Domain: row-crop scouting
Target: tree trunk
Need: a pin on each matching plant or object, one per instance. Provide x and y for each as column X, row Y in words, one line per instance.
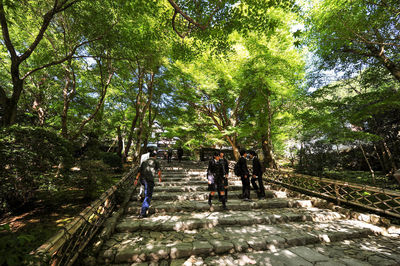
column 64, row 114
column 269, row 160
column 380, row 159
column 369, row 165
column 120, row 141
column 142, row 113
column 10, row 104
column 130, row 136
column 266, row 139
column 391, row 66
column 236, row 152
column 392, row 164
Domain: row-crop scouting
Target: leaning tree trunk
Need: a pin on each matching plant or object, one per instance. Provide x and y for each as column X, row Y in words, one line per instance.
column 389, row 161
column 379, row 159
column 369, row 165
column 120, row 141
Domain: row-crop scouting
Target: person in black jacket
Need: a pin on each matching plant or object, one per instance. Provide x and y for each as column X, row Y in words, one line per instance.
column 169, row 154
column 257, row 175
column 225, row 164
column 215, row 176
column 244, row 175
column 180, row 154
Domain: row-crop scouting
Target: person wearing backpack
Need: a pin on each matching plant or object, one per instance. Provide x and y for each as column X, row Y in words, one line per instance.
column 243, row 172
column 215, row 176
column 147, row 172
column 257, row 175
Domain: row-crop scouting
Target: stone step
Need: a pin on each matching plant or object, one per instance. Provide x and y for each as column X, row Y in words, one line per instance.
column 169, row 183
column 233, row 204
column 190, row 188
column 154, row 246
column 202, row 195
column 192, row 182
column 181, row 222
column 366, row 251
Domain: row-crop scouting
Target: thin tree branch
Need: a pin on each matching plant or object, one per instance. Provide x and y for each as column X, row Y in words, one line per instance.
column 99, row 104
column 189, row 19
column 62, row 60
column 173, row 25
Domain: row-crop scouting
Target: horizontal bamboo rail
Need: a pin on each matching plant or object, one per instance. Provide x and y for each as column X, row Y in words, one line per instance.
column 372, row 198
column 65, row 246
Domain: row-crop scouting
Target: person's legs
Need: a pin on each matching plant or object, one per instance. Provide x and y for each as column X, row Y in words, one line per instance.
column 246, row 188
column 226, row 189
column 140, row 195
column 262, row 189
column 148, row 193
column 211, row 188
column 221, row 190
column 255, row 187
column 253, row 182
column 243, row 187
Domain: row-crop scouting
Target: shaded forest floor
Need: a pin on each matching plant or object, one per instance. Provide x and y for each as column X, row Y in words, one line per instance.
column 27, row 228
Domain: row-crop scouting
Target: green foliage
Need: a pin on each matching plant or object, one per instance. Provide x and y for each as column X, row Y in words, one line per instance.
column 112, row 159
column 12, row 250
column 27, row 153
column 95, row 180
column 350, row 35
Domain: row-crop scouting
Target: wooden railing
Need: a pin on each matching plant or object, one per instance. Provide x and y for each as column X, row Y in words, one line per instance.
column 372, row 198
column 65, row 247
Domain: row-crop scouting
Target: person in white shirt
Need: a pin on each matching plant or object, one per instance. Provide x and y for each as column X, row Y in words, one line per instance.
column 143, row 158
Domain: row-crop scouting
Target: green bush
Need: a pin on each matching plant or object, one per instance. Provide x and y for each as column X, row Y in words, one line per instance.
column 26, row 155
column 112, row 159
column 12, row 250
column 95, row 178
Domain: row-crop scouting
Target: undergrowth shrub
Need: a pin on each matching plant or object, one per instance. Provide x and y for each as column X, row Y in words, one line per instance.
column 95, row 178
column 26, row 155
column 113, row 160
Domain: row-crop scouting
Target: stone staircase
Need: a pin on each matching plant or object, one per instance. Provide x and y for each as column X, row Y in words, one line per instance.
column 183, row 230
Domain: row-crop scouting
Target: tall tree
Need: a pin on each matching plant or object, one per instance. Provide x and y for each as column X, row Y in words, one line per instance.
column 354, row 34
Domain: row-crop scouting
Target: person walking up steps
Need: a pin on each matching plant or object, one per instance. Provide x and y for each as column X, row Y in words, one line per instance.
column 244, row 175
column 225, row 164
column 147, row 171
column 215, row 176
column 257, row 175
column 143, row 158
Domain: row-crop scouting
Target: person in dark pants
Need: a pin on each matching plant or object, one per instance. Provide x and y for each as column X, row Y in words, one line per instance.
column 180, row 153
column 225, row 164
column 215, row 176
column 244, row 175
column 169, row 155
column 257, row 175
column 147, row 172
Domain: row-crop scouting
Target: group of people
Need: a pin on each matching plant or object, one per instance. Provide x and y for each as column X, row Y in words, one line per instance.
column 217, row 176
column 218, row 172
column 179, row 152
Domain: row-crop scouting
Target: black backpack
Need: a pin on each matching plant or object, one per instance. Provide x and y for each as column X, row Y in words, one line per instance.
column 236, row 169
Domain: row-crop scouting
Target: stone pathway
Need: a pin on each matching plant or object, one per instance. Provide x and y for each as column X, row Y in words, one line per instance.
column 183, row 230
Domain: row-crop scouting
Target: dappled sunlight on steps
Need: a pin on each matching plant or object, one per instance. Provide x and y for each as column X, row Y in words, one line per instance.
column 278, row 230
